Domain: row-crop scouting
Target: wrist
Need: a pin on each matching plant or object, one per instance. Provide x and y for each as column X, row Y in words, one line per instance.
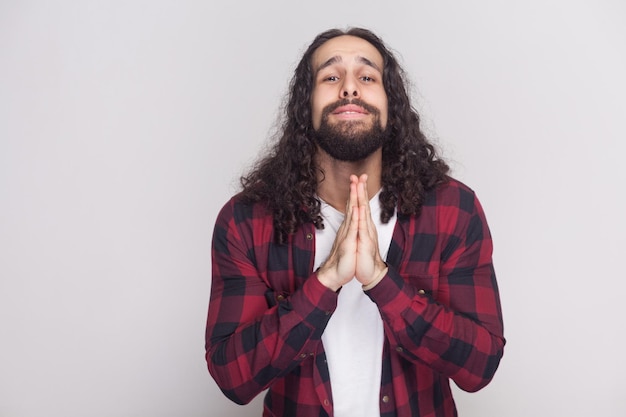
column 377, row 278
column 322, row 277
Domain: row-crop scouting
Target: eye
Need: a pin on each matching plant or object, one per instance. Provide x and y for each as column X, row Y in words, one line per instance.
column 331, row 78
column 367, row 79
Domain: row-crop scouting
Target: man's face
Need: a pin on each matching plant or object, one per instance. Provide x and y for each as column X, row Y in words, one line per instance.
column 349, row 103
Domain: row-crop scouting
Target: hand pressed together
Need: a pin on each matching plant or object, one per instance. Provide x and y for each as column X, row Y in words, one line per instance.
column 355, row 251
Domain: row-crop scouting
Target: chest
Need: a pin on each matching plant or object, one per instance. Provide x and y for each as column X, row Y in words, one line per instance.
column 413, row 252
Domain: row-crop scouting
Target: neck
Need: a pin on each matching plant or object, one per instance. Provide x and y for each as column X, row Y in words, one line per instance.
column 333, row 183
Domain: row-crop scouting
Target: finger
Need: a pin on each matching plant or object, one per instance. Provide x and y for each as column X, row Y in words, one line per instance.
column 348, row 241
column 363, row 199
column 351, row 202
column 364, row 202
column 366, row 224
column 366, row 198
column 364, row 229
column 354, row 223
column 347, row 233
column 362, row 180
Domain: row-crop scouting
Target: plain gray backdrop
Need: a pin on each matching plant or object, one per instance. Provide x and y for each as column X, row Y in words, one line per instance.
column 124, row 126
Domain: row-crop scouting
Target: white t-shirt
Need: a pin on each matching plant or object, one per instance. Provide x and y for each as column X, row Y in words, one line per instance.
column 353, row 338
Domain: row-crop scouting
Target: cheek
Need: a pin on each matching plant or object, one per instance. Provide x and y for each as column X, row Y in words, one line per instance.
column 384, row 118
column 316, row 119
column 316, row 113
column 384, row 113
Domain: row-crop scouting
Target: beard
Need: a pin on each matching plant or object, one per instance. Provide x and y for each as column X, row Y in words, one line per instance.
column 350, row 140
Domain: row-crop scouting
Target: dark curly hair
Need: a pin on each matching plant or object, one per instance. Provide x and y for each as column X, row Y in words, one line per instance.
column 285, row 179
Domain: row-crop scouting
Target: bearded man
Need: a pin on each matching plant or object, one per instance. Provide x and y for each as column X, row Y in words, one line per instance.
column 352, row 276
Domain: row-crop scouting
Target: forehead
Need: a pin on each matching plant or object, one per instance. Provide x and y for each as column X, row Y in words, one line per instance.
column 345, row 49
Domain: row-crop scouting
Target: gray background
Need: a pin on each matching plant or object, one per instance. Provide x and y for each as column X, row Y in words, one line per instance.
column 124, row 126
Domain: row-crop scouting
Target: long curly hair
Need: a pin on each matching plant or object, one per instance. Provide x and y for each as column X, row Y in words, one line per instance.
column 286, row 178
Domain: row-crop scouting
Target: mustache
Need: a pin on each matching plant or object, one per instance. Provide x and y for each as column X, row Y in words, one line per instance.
column 344, row 102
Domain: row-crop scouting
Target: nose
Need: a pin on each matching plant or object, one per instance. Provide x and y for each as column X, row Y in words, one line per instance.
column 349, row 89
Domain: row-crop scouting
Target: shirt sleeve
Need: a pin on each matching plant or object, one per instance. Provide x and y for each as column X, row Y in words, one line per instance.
column 250, row 342
column 460, row 333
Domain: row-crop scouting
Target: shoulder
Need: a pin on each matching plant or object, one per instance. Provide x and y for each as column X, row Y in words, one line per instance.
column 452, row 193
column 240, row 210
column 248, row 223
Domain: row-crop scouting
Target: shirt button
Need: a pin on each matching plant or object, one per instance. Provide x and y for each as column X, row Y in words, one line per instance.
column 421, row 292
column 326, row 402
column 385, row 399
column 303, row 355
column 280, row 297
column 399, row 349
column 309, row 236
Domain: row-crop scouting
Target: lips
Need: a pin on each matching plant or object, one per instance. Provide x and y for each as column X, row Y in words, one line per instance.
column 346, row 109
column 350, row 109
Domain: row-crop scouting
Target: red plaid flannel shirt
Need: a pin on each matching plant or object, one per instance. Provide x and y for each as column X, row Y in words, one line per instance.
column 439, row 304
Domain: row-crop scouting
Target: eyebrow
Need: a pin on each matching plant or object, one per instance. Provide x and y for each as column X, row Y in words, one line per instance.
column 366, row 61
column 336, row 59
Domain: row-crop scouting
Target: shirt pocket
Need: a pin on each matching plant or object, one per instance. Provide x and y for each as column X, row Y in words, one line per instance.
column 425, row 284
column 273, row 297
